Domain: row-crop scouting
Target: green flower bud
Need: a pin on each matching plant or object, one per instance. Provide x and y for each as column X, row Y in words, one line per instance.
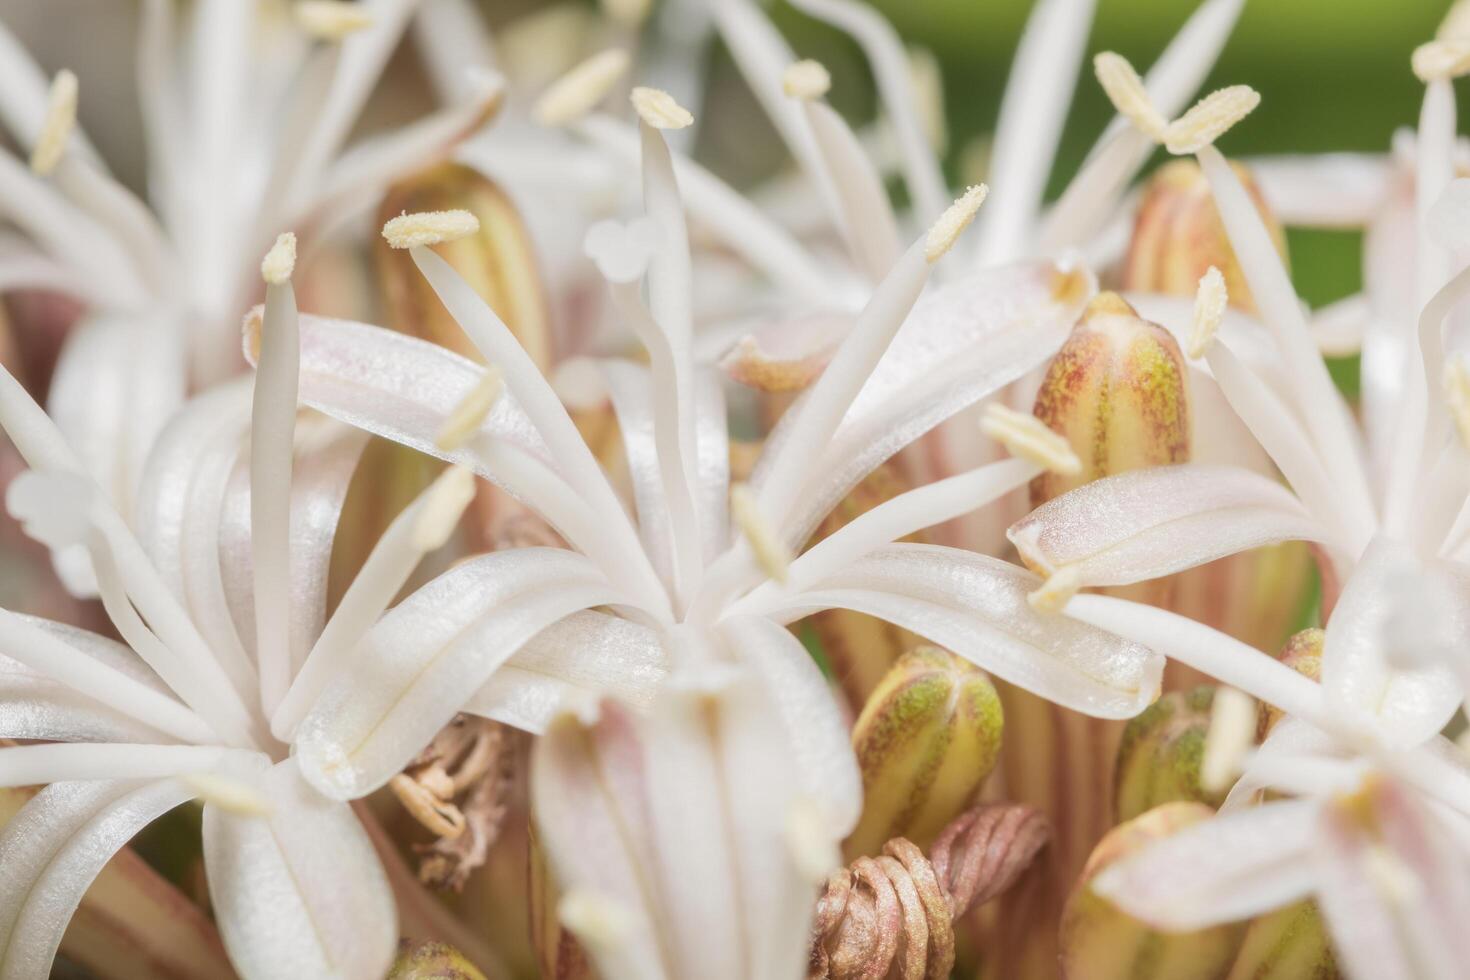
column 1287, row 944
column 1303, row 654
column 1159, row 758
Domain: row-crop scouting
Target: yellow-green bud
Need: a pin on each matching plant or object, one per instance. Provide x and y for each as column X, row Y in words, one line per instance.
column 926, row 739
column 1303, row 654
column 1287, row 944
column 1159, row 758
column 431, row 961
column 1100, row 942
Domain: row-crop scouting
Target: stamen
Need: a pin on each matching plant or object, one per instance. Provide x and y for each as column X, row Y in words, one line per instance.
column 1210, row 118
column 658, row 109
column 230, row 795
column 429, row 228
column 471, row 411
column 61, row 117
column 1026, row 436
column 807, row 80
column 595, row 919
column 280, row 261
column 1058, row 589
column 1209, row 309
column 953, row 222
column 1231, row 734
column 1437, row 61
column 1127, row 93
column 810, row 842
column 770, row 551
column 1457, row 394
column 444, row 505
column 331, row 20
column 576, row 93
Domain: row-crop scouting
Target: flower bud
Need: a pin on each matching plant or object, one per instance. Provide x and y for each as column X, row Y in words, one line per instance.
column 1159, row 758
column 1287, row 943
column 1178, row 235
column 926, row 739
column 1303, row 654
column 1117, row 391
column 558, row 954
column 1100, row 942
column 431, row 961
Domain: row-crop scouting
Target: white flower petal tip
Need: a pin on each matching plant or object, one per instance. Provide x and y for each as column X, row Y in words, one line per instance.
column 953, row 222
column 807, row 80
column 770, row 552
column 578, row 91
column 1457, row 393
column 621, row 250
column 471, row 411
column 809, row 839
column 231, row 795
column 1441, row 60
column 1027, row 437
column 1231, row 734
column 1126, row 91
column 1210, row 302
column 61, row 118
column 1210, row 118
column 627, row 12
column 658, row 109
column 1448, row 221
column 429, row 228
column 280, row 261
column 580, row 383
column 52, row 508
column 331, row 20
column 443, row 507
column 598, row 920
column 1058, row 589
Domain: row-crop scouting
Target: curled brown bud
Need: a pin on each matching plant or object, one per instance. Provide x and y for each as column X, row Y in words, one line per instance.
column 894, row 915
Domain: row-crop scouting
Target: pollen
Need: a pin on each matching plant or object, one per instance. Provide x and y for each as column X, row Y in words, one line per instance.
column 471, row 412
column 1126, row 91
column 1209, row 309
column 576, row 93
column 1058, row 589
column 61, row 118
column 596, row 919
column 953, row 222
column 806, row 80
column 1441, row 60
column 771, row 553
column 1231, row 734
column 658, row 109
column 331, row 20
column 444, row 504
column 810, row 842
column 1210, row 118
column 1457, row 395
column 429, row 228
column 230, row 795
column 280, row 261
column 1026, row 436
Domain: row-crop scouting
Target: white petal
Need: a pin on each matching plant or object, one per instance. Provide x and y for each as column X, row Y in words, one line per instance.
column 300, row 892
column 1324, row 190
column 33, row 765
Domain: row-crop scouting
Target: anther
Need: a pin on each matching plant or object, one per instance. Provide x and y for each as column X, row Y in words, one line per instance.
column 658, row 109
column 1210, row 302
column 280, row 261
column 471, row 411
column 230, row 795
column 1231, row 734
column 807, row 80
column 952, row 223
column 770, row 552
column 444, row 504
column 61, row 118
column 1026, row 436
column 429, row 228
column 331, row 20
column 576, row 93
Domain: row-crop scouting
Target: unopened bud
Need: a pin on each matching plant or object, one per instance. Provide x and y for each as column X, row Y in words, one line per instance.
column 927, row 738
column 1303, row 654
column 1101, row 942
column 1285, row 944
column 1116, row 391
column 431, row 961
column 1159, row 758
column 558, row 953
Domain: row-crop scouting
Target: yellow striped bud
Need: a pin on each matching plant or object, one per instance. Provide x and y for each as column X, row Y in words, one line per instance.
column 1159, row 758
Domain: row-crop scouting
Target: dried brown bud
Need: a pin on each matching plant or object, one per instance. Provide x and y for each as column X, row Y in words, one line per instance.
column 1159, row 758
column 1303, row 654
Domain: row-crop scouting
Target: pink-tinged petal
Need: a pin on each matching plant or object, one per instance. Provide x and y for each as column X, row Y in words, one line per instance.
column 1147, row 523
column 786, row 354
column 52, row 850
column 976, row 607
column 809, row 716
column 299, row 892
column 1276, row 763
column 1325, row 190
column 1232, row 867
column 571, row 663
column 961, row 343
column 1392, row 887
column 1389, row 594
column 429, row 655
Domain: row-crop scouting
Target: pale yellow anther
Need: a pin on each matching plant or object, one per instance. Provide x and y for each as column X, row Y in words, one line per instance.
column 1210, row 118
column 1058, row 589
column 1228, row 740
column 596, row 919
column 1210, row 302
column 280, row 261
column 61, row 118
column 1392, row 877
column 770, row 551
column 806, row 80
column 927, row 79
column 444, row 504
column 1456, row 23
column 629, row 12
column 331, row 20
column 577, row 92
column 1126, row 91
column 429, row 228
column 1457, row 396
column 810, row 842
column 230, row 795
column 471, row 411
column 658, row 109
column 1437, row 61
column 953, row 222
column 1027, row 437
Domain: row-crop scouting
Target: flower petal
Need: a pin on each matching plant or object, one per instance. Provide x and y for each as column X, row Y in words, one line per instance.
column 1324, row 190
column 299, row 892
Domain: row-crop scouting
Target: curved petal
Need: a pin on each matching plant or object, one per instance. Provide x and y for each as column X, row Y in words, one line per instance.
column 35, row 706
column 976, row 606
column 424, row 659
column 1147, row 523
column 629, row 386
column 300, row 892
column 53, row 849
column 1325, row 190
